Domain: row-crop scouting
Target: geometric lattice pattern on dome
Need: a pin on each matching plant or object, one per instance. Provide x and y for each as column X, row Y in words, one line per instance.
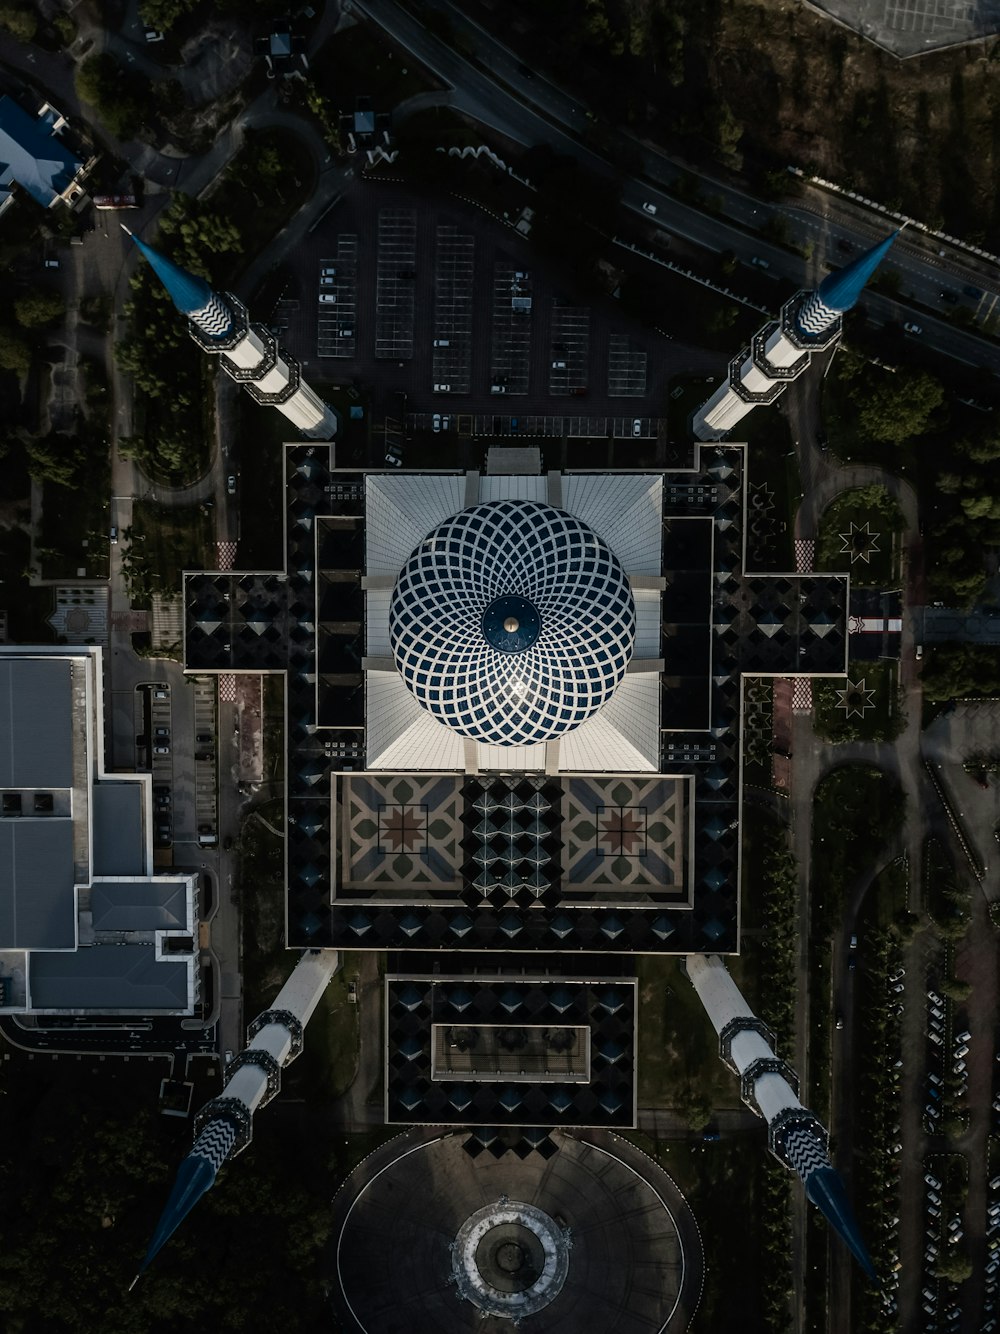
column 463, row 671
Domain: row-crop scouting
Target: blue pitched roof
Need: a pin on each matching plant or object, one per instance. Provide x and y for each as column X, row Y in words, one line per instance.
column 188, row 292
column 31, row 155
column 840, row 290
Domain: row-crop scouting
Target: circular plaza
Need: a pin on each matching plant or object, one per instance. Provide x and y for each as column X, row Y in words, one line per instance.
column 430, row 1239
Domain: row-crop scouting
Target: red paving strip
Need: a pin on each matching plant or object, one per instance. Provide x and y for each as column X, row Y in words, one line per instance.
column 226, row 555
column 805, row 552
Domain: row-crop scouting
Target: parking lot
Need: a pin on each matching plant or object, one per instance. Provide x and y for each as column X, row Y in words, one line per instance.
column 445, row 304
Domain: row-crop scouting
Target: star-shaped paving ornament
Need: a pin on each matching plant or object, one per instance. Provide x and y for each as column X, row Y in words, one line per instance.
column 402, row 829
column 860, row 543
column 621, row 831
column 856, row 699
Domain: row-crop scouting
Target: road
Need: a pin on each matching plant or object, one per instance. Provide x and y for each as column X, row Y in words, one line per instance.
column 497, row 90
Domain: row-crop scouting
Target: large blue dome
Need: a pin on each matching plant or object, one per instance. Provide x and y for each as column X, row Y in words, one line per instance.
column 512, row 622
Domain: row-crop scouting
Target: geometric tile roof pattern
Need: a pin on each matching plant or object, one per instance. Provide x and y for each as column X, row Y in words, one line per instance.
column 719, row 623
column 512, row 622
column 514, row 1010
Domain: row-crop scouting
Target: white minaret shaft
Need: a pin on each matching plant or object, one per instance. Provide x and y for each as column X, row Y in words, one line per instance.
column 782, row 350
column 224, row 1126
column 250, row 354
column 794, row 1134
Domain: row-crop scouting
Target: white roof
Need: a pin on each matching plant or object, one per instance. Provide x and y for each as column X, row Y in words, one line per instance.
column 626, row 510
column 401, row 735
column 624, row 735
column 401, row 511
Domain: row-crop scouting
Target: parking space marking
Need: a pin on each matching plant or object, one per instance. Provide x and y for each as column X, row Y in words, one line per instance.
column 337, row 327
column 570, row 349
column 627, row 364
column 537, row 424
column 454, row 269
column 397, row 241
column 510, row 346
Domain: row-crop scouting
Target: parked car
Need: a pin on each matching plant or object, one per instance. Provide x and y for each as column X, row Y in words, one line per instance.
column 436, row 422
column 161, row 750
column 911, row 328
column 393, row 456
column 637, row 426
column 649, row 208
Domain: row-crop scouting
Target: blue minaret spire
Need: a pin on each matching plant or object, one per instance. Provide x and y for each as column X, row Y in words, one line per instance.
column 782, row 350
column 224, row 1126
column 839, row 292
column 191, row 295
column 250, row 354
column 195, row 1178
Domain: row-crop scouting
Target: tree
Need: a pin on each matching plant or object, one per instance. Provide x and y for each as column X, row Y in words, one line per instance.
column 955, row 1266
column 19, row 21
column 897, row 408
column 164, row 14
column 55, row 458
column 15, row 354
column 35, row 309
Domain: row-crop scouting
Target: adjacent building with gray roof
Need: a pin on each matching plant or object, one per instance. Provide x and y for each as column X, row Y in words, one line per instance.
column 85, row 926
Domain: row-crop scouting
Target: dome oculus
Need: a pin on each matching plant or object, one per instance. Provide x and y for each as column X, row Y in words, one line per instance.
column 512, row 622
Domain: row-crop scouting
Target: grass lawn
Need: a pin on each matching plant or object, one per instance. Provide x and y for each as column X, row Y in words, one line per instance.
column 27, row 608
column 266, row 962
column 74, row 529
column 261, row 212
column 856, row 809
column 714, row 1177
column 773, row 472
column 882, row 722
column 262, row 490
column 678, row 1047
column 887, row 900
column 844, row 542
column 686, row 395
column 330, row 1059
column 166, row 541
column 360, row 62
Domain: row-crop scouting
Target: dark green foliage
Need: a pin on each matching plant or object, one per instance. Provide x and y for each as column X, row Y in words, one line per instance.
column 38, row 308
column 15, row 354
column 123, row 99
column 90, row 1164
column 18, row 19
column 961, row 671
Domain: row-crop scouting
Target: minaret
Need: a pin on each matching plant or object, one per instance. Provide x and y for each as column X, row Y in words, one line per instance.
column 794, row 1134
column 781, row 351
column 250, row 354
column 224, row 1126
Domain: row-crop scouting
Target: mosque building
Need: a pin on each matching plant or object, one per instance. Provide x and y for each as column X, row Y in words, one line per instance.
column 515, row 704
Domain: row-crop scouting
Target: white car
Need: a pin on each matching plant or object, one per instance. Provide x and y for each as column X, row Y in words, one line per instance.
column 436, row 422
column 637, row 426
column 649, row 208
column 912, row 328
column 327, row 298
column 442, row 389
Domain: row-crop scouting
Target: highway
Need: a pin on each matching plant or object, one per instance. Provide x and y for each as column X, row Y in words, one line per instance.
column 498, row 90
